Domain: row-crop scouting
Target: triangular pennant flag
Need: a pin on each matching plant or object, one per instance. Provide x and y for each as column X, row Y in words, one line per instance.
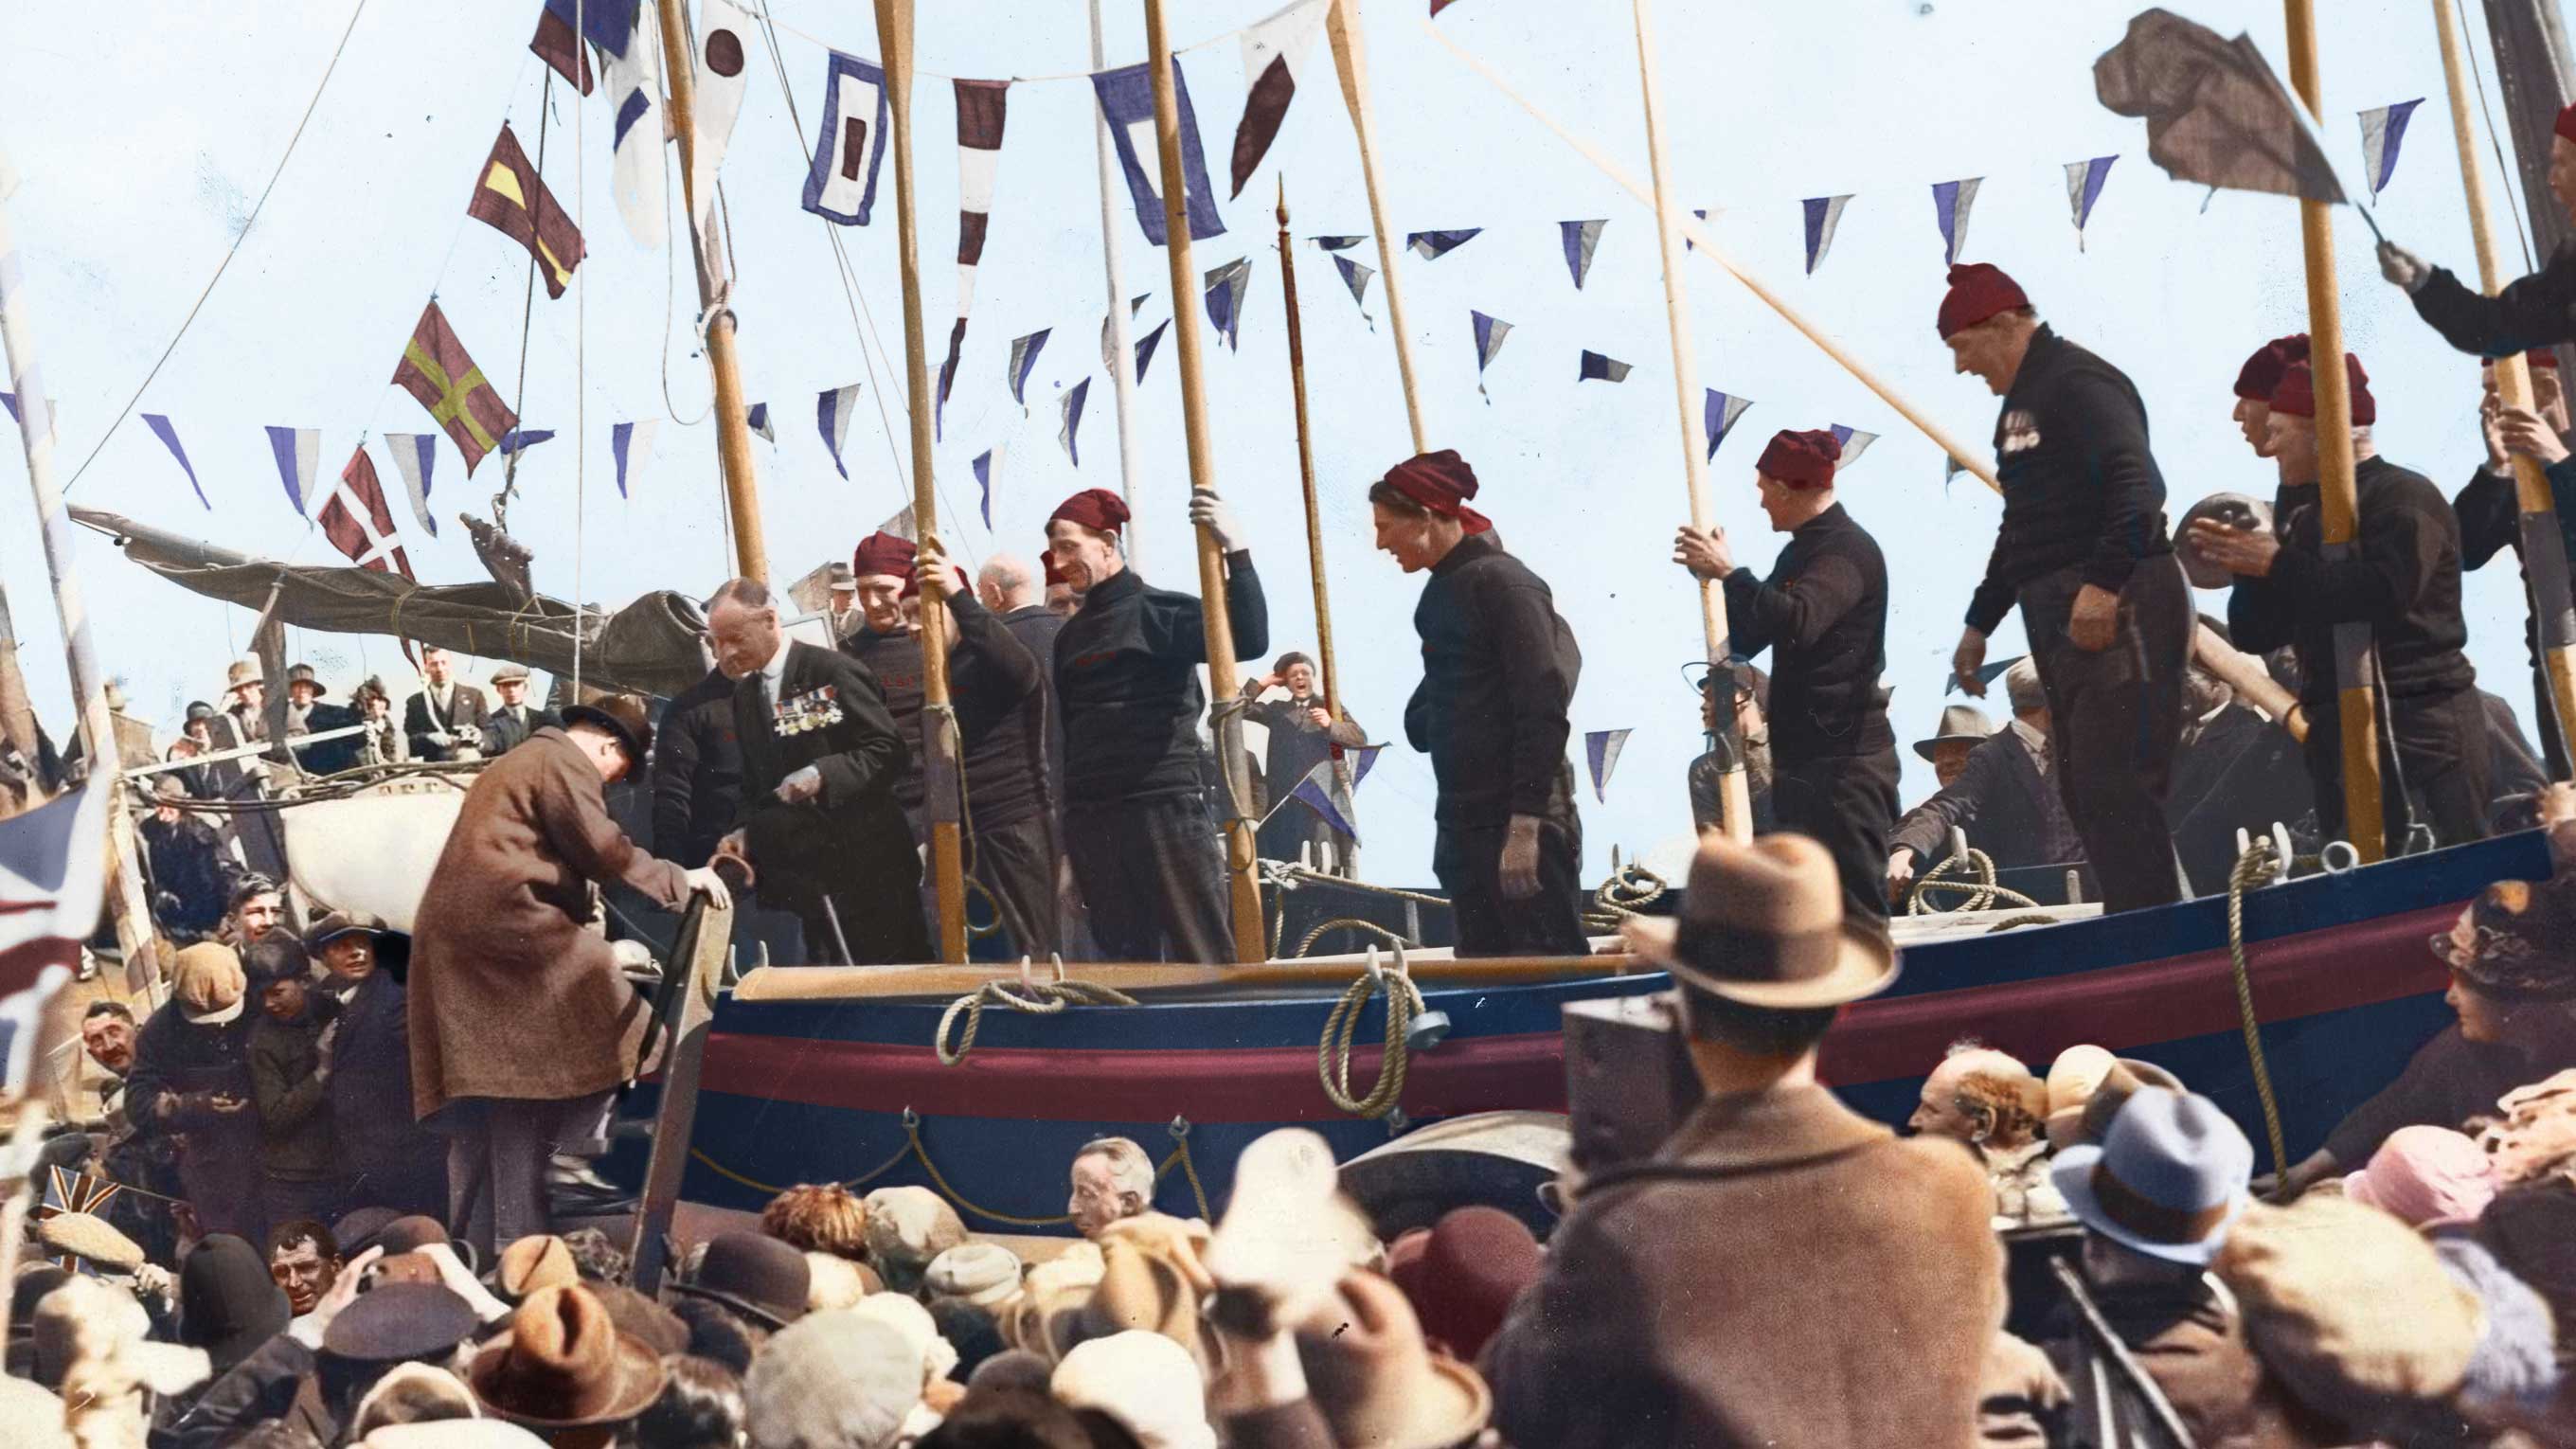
column 513, row 200
column 841, row 185
column 518, row 438
column 1951, row 201
column 1145, row 349
column 1431, row 246
column 1986, row 673
column 1602, row 748
column 1824, row 214
column 1337, row 243
column 436, row 371
column 2383, row 131
column 756, row 418
column 1580, row 238
column 357, row 521
column 1855, row 442
column 2083, row 188
column 832, row 415
column 1687, row 244
column 299, row 456
column 1024, row 360
column 1597, row 366
column 1225, row 288
column 1127, row 100
column 631, row 444
column 1274, row 51
column 1719, row 414
column 1356, row 277
column 987, row 464
column 1950, row 468
column 1322, row 789
column 1490, row 332
column 1109, row 355
column 634, row 100
column 1072, row 406
column 901, row 525
column 160, row 425
column 725, row 32
column 415, row 456
column 53, row 411
column 981, row 109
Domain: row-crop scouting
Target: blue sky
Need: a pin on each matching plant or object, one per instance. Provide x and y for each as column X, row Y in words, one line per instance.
column 141, row 160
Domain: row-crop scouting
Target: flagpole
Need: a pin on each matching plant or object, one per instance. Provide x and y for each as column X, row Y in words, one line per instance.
column 2338, row 509
column 1306, row 460
column 1735, row 800
column 1121, row 360
column 1222, row 675
column 939, row 770
column 133, row 915
column 2544, row 551
column 733, row 429
column 1350, row 61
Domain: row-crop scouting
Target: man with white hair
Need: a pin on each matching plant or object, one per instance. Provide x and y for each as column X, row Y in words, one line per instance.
column 2007, row 798
column 1113, row 1179
column 1995, row 1105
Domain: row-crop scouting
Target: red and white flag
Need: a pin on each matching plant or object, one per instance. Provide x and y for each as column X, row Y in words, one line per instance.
column 53, row 884
column 1274, row 51
column 982, row 107
column 357, row 521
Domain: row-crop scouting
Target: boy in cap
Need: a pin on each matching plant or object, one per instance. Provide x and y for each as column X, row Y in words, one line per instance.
column 1499, row 668
column 191, row 1081
column 512, row 721
column 2403, row 582
column 290, row 1078
column 1823, row 614
column 2082, row 552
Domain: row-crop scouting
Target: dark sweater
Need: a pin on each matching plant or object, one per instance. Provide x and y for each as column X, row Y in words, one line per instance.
column 2404, row 583
column 1126, row 673
column 292, row 1100
column 1499, row 669
column 2536, row 311
column 697, row 772
column 1036, row 629
column 2446, row 1083
column 1823, row 614
column 2490, row 513
column 2080, row 486
column 895, row 659
column 997, row 689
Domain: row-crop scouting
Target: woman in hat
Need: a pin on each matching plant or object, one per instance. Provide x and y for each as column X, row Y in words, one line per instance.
column 384, row 743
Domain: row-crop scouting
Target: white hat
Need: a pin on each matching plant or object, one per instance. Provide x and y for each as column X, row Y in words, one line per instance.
column 1146, row 1382
column 906, row 1316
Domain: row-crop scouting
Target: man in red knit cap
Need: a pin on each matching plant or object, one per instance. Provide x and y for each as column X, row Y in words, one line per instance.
column 2255, row 383
column 2537, row 311
column 2403, row 582
column 1136, row 821
column 1823, row 616
column 886, row 644
column 2084, row 554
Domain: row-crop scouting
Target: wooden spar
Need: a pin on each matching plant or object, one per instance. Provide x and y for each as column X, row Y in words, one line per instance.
column 1975, row 461
column 1306, row 461
column 864, row 983
column 1240, row 862
column 2338, row 509
column 697, row 966
column 1122, row 353
column 2544, row 550
column 1350, row 62
column 733, row 424
column 939, row 771
column 2246, row 675
column 1735, row 799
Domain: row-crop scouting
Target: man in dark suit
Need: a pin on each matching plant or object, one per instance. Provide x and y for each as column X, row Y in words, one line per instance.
column 306, row 714
column 513, row 719
column 697, row 771
column 447, row 714
column 820, row 754
column 2006, row 799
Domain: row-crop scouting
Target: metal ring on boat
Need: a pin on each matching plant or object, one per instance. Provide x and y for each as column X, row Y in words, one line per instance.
column 2328, row 858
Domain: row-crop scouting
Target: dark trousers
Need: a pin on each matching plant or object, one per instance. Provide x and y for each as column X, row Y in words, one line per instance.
column 2115, row 717
column 290, row 1200
column 883, row 927
column 1015, row 864
column 1848, row 804
column 1153, row 875
column 1468, row 859
column 497, row 1150
column 2441, row 753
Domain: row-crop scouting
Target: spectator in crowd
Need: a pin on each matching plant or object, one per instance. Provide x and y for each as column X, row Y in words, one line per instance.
column 255, row 908
column 306, row 714
column 1963, row 728
column 304, row 1260
column 91, row 1090
column 1750, row 689
column 701, row 1407
column 2007, row 798
column 1991, row 1103
column 186, row 858
column 1305, row 730
column 841, row 612
column 384, row 1158
column 228, row 1303
column 291, row 1044
column 2234, row 771
column 1113, row 1180
column 998, row 692
column 384, row 743
column 445, row 718
column 192, row 1084
column 512, row 721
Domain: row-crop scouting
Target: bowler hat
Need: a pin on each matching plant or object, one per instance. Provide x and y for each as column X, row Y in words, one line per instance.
column 241, row 674
column 2167, row 1181
column 563, row 1365
column 753, row 1274
column 621, row 715
column 198, row 709
column 303, row 674
column 392, row 1322
column 1462, row 1273
column 1762, row 925
column 345, row 923
column 1958, row 722
column 228, row 1302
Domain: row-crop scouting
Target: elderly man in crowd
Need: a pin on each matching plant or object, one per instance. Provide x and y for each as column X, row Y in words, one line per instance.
column 1782, row 1271
column 1995, row 1106
column 2007, row 799
column 446, row 716
column 521, row 1025
column 1963, row 728
column 1113, row 1180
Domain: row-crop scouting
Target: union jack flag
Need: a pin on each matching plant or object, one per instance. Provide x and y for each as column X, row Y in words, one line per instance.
column 53, row 869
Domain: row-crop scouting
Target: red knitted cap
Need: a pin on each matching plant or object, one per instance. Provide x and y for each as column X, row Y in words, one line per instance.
column 1978, row 290
column 2297, row 394
column 2261, row 374
column 1801, row 459
column 1441, row 482
column 882, row 555
column 1097, row 509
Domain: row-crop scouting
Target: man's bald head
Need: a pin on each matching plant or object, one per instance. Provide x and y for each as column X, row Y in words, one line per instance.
column 742, row 627
column 1006, row 582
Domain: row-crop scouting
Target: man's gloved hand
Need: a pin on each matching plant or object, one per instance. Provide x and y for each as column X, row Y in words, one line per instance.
column 803, row 785
column 1209, row 512
column 441, row 738
column 2403, row 267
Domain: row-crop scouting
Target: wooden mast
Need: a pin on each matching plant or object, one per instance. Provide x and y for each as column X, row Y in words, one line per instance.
column 1306, row 460
column 1222, row 669
column 1735, row 800
column 2354, row 657
column 939, row 770
column 1350, row 61
column 733, row 427
column 2544, row 551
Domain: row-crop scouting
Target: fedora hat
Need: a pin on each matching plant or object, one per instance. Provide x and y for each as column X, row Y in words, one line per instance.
column 621, row 715
column 1762, row 925
column 303, row 674
column 1379, row 1384
column 2167, row 1180
column 753, row 1274
column 1958, row 722
column 534, row 1263
column 241, row 674
column 563, row 1365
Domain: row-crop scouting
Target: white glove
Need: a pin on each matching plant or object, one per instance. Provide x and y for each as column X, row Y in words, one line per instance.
column 441, row 738
column 2403, row 267
column 805, row 784
column 1209, row 512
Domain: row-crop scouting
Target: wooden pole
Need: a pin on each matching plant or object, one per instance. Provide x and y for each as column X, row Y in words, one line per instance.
column 939, row 734
column 2245, row 674
column 2544, row 550
column 1972, row 459
column 1735, row 800
column 697, row 968
column 1306, row 459
column 1350, row 61
column 1222, row 669
column 1121, row 360
column 733, row 426
column 17, row 714
column 2357, row 698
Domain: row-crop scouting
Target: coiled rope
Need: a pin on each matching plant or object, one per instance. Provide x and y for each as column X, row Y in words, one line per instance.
column 1980, row 889
column 1037, row 998
column 2258, row 864
column 1341, row 1029
column 1628, row 887
column 913, row 1148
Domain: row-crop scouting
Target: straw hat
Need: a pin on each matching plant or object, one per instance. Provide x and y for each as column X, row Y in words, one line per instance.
column 1762, row 925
